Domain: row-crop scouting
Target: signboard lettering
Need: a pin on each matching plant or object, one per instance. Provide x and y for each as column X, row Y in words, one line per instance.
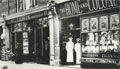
column 100, row 4
column 84, row 6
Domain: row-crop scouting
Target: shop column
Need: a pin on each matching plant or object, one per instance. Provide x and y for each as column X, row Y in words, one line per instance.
column 57, row 41
column 54, row 39
column 51, row 29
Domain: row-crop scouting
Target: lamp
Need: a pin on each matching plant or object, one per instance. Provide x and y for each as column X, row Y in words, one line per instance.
column 71, row 26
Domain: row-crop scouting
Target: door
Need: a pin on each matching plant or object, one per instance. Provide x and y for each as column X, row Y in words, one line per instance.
column 39, row 44
column 46, row 46
column 42, row 45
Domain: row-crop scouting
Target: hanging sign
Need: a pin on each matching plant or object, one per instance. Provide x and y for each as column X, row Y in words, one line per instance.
column 94, row 24
column 85, row 25
column 103, row 23
column 114, row 21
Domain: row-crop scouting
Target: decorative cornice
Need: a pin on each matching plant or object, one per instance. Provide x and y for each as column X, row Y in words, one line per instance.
column 27, row 12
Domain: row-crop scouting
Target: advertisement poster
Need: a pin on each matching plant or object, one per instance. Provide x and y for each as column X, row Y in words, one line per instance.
column 94, row 24
column 114, row 21
column 85, row 25
column 25, row 34
column 25, row 43
column 25, row 50
column 25, row 46
column 104, row 23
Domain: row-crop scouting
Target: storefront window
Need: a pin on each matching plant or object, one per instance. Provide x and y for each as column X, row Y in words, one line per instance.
column 101, row 38
column 90, row 42
column 22, row 34
column 109, row 41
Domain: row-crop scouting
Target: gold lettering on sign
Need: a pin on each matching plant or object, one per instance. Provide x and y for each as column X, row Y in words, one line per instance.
column 115, row 2
column 94, row 7
column 74, row 7
column 78, row 7
column 110, row 3
column 104, row 3
column 89, row 6
column 100, row 4
column 67, row 9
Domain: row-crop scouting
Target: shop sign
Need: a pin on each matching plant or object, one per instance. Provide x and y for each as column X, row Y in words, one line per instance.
column 85, row 25
column 28, row 17
column 84, row 6
column 94, row 24
column 109, row 55
column 114, row 21
column 90, row 55
column 100, row 55
column 103, row 23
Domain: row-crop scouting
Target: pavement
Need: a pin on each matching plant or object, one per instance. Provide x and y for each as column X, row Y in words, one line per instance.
column 31, row 65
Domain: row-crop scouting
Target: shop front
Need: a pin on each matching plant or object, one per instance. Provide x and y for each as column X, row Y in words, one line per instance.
column 70, row 28
column 31, row 32
column 96, row 23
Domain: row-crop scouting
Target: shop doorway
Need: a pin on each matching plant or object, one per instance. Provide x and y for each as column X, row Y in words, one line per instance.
column 42, row 45
column 69, row 28
column 16, row 38
column 23, row 34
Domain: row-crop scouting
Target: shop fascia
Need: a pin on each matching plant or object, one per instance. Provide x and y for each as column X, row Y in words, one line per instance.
column 28, row 17
column 84, row 6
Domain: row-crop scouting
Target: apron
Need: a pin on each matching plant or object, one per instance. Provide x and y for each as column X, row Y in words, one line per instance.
column 69, row 49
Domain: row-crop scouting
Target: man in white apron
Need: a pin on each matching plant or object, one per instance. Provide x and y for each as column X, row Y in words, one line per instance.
column 69, row 49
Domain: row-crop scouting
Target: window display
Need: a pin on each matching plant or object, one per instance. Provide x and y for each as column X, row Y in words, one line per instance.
column 94, row 24
column 114, row 21
column 104, row 23
column 102, row 42
column 91, row 43
column 85, row 24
